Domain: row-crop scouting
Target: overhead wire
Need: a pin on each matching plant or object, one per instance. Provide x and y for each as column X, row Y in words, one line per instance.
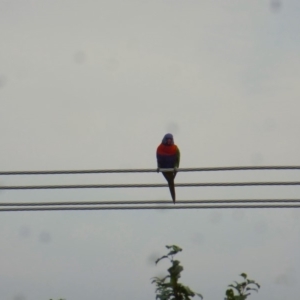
column 84, row 208
column 145, row 202
column 104, row 171
column 151, row 204
column 146, row 185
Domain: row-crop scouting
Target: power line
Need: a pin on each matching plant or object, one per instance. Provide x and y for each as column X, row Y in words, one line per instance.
column 146, row 207
column 155, row 185
column 58, row 172
column 138, row 202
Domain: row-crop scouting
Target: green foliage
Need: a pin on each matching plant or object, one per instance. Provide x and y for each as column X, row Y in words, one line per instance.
column 168, row 288
column 243, row 289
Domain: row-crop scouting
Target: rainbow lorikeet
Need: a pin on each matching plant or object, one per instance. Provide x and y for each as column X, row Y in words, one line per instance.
column 168, row 157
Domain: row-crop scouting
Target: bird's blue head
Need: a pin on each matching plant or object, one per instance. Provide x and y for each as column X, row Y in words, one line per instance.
column 168, row 139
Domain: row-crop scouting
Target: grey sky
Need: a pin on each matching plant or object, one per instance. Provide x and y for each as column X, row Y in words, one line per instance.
column 96, row 84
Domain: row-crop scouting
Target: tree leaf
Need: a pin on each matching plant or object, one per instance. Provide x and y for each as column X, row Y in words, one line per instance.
column 174, row 249
column 229, row 293
column 235, row 287
column 251, row 289
column 165, row 256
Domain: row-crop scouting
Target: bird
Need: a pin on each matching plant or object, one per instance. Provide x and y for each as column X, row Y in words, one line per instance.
column 168, row 157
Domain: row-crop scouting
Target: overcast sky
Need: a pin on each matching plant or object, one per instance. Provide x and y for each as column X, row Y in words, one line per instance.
column 96, row 84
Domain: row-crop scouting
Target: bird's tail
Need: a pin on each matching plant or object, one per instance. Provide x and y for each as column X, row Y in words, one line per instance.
column 170, row 179
column 172, row 189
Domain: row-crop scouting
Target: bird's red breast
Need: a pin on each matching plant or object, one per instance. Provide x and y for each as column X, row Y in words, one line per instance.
column 166, row 149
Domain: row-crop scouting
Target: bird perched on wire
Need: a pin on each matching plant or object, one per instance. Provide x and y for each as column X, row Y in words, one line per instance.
column 168, row 157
